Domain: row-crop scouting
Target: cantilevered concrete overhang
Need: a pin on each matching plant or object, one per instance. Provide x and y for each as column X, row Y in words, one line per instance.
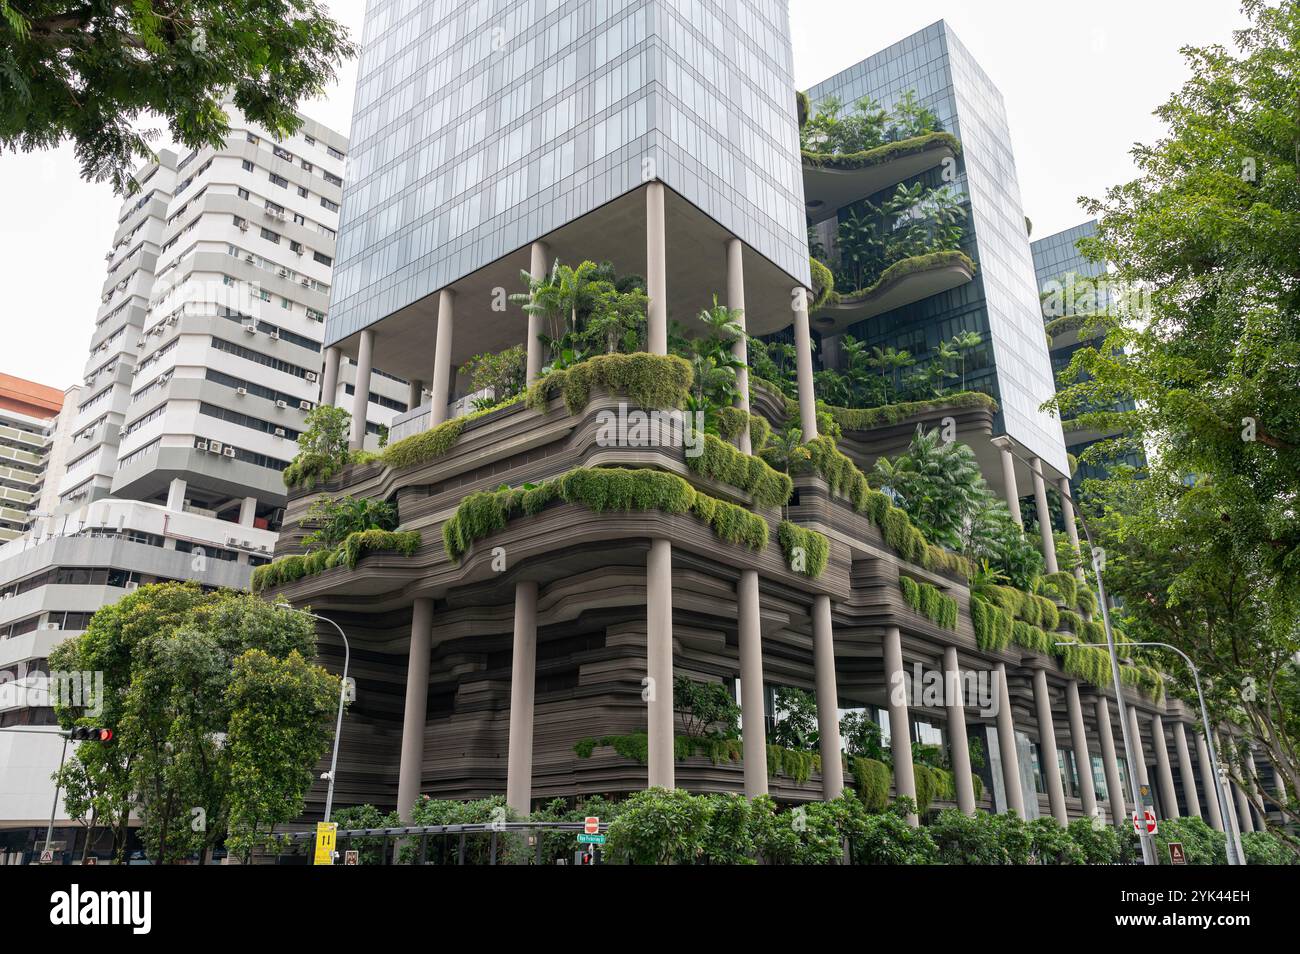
column 947, row 272
column 833, row 183
column 615, row 232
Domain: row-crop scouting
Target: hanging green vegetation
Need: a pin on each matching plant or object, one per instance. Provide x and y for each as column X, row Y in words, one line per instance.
column 1062, row 587
column 732, row 421
column 931, row 783
column 1032, row 638
column 653, row 381
column 721, row 461
column 806, row 551
column 602, row 489
column 866, row 419
column 872, row 779
column 993, row 625
column 353, row 547
column 926, row 599
column 795, row 764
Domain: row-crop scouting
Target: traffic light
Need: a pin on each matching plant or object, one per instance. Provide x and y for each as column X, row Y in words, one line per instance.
column 83, row 734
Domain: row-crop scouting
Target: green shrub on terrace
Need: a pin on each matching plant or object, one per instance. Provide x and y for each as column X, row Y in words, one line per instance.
column 354, row 546
column 425, row 446
column 1062, row 587
column 653, row 381
column 866, row 419
column 926, row 599
column 823, row 284
column 909, row 266
column 794, row 764
column 895, row 525
column 806, row 551
column 601, row 489
column 931, row 783
column 722, row 462
column 1086, row 601
column 1088, row 663
column 731, row 421
column 881, row 154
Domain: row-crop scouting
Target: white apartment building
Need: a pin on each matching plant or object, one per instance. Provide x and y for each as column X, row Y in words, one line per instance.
column 204, row 361
column 30, row 449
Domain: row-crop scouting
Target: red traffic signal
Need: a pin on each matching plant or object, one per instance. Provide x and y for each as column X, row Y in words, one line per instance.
column 83, row 734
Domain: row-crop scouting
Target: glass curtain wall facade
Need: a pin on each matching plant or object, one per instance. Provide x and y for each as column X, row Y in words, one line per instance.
column 1001, row 304
column 1056, row 258
column 479, row 127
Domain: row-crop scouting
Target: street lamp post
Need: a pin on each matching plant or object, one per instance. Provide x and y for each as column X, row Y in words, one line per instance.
column 1234, row 846
column 343, row 688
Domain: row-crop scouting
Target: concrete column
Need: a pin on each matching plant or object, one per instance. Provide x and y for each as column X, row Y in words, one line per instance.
column 1007, row 746
column 1079, row 743
column 828, row 704
column 740, row 349
column 247, row 511
column 804, row 366
column 1210, row 783
column 523, row 678
column 361, row 389
column 176, row 494
column 440, row 388
column 659, row 664
column 1010, row 489
column 1071, row 530
column 900, row 723
column 1244, row 818
column 1185, row 769
column 1164, row 776
column 415, row 394
column 656, row 270
column 329, row 385
column 954, row 701
column 754, row 737
column 538, row 267
column 1047, row 748
column 1044, row 516
column 1139, row 754
column 1110, row 763
column 411, row 768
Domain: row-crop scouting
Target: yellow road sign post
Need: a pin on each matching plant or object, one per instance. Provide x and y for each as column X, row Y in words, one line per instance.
column 325, row 841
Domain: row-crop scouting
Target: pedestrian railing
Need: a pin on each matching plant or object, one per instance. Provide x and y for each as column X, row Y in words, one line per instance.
column 490, row 843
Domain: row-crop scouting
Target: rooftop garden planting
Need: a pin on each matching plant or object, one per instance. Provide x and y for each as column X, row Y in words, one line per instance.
column 832, row 130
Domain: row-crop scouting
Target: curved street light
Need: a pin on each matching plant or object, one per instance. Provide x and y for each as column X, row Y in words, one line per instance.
column 343, row 688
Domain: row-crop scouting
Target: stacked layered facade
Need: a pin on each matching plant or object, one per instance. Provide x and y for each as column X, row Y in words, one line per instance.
column 554, row 567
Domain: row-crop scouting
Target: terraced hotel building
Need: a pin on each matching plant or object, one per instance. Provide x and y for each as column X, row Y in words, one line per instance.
column 526, row 640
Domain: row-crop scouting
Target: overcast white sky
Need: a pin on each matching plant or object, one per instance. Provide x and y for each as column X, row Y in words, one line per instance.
column 1080, row 80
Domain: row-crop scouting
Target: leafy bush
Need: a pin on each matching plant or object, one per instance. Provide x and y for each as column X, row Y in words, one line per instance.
column 1099, row 843
column 1052, row 844
column 659, row 827
column 371, row 850
column 354, row 546
column 322, row 447
column 1266, row 848
column 1203, row 845
column 504, row 372
column 336, row 518
column 650, row 380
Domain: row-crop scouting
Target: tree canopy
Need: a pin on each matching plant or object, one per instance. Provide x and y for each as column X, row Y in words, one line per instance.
column 218, row 717
column 93, row 70
column 1204, row 547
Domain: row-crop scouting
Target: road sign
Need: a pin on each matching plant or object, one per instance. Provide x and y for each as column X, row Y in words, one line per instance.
column 591, row 824
column 325, row 841
column 585, row 839
column 1145, row 819
column 352, row 857
column 47, row 857
column 1176, row 854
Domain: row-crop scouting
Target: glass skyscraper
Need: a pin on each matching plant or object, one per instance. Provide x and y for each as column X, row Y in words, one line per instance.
column 480, row 127
column 1002, row 302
